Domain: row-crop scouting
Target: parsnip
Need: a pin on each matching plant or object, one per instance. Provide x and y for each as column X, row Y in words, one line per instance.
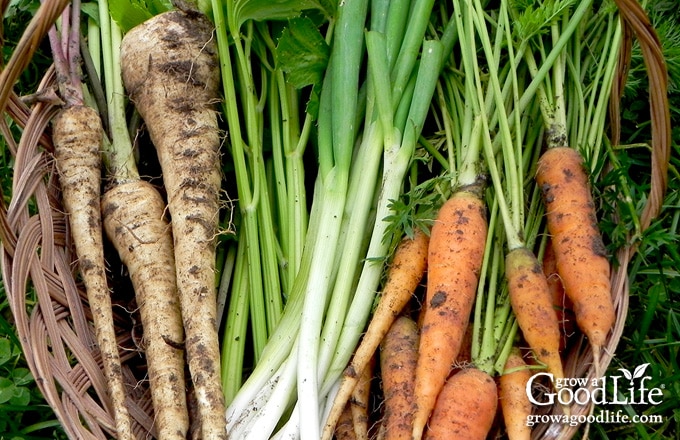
column 134, row 221
column 77, row 136
column 171, row 72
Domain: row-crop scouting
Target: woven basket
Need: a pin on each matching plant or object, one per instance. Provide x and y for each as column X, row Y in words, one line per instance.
column 56, row 332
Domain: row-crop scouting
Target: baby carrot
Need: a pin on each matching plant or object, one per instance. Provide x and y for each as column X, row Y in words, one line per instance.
column 405, row 273
column 360, row 402
column 561, row 303
column 345, row 428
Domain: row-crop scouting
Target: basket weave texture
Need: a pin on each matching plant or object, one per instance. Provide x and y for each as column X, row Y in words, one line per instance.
column 56, row 331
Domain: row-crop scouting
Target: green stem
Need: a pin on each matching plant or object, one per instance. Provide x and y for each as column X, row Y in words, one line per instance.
column 395, row 165
column 234, row 338
column 419, row 17
column 512, row 173
column 119, row 158
column 351, row 251
column 345, row 67
column 483, row 345
column 315, row 299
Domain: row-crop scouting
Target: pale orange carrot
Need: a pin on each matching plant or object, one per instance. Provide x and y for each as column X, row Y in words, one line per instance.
column 533, row 308
column 405, row 274
column 361, row 400
column 455, row 257
column 465, row 408
column 398, row 358
column 513, row 397
column 580, row 253
column 561, row 303
column 345, row 427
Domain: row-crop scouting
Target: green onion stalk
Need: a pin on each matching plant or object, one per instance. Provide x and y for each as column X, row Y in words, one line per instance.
column 362, row 165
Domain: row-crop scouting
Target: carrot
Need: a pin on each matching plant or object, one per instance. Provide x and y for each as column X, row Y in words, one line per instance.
column 561, row 303
column 405, row 274
column 465, row 407
column 134, row 221
column 171, row 72
column 77, row 136
column 398, row 358
column 455, row 256
column 580, row 254
column 533, row 307
column 360, row 401
column 513, row 398
column 345, row 428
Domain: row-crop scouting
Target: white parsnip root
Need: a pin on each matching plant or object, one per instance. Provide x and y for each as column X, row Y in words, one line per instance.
column 77, row 137
column 172, row 75
column 134, row 220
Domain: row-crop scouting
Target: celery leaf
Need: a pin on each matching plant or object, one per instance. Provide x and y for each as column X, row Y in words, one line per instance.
column 129, row 13
column 277, row 9
column 302, row 53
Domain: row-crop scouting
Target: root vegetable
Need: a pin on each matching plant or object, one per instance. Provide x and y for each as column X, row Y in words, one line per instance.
column 398, row 358
column 533, row 308
column 134, row 221
column 345, row 428
column 171, row 72
column 512, row 394
column 360, row 401
column 561, row 303
column 465, row 408
column 455, row 257
column 77, row 136
column 580, row 254
column 405, row 274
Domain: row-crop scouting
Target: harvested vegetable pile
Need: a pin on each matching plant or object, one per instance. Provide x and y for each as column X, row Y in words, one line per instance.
column 355, row 219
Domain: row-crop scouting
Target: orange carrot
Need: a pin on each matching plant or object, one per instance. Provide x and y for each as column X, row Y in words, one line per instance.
column 465, row 408
column 513, row 398
column 561, row 303
column 455, row 257
column 360, row 401
column 345, row 428
column 398, row 358
column 579, row 250
column 533, row 307
column 405, row 273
